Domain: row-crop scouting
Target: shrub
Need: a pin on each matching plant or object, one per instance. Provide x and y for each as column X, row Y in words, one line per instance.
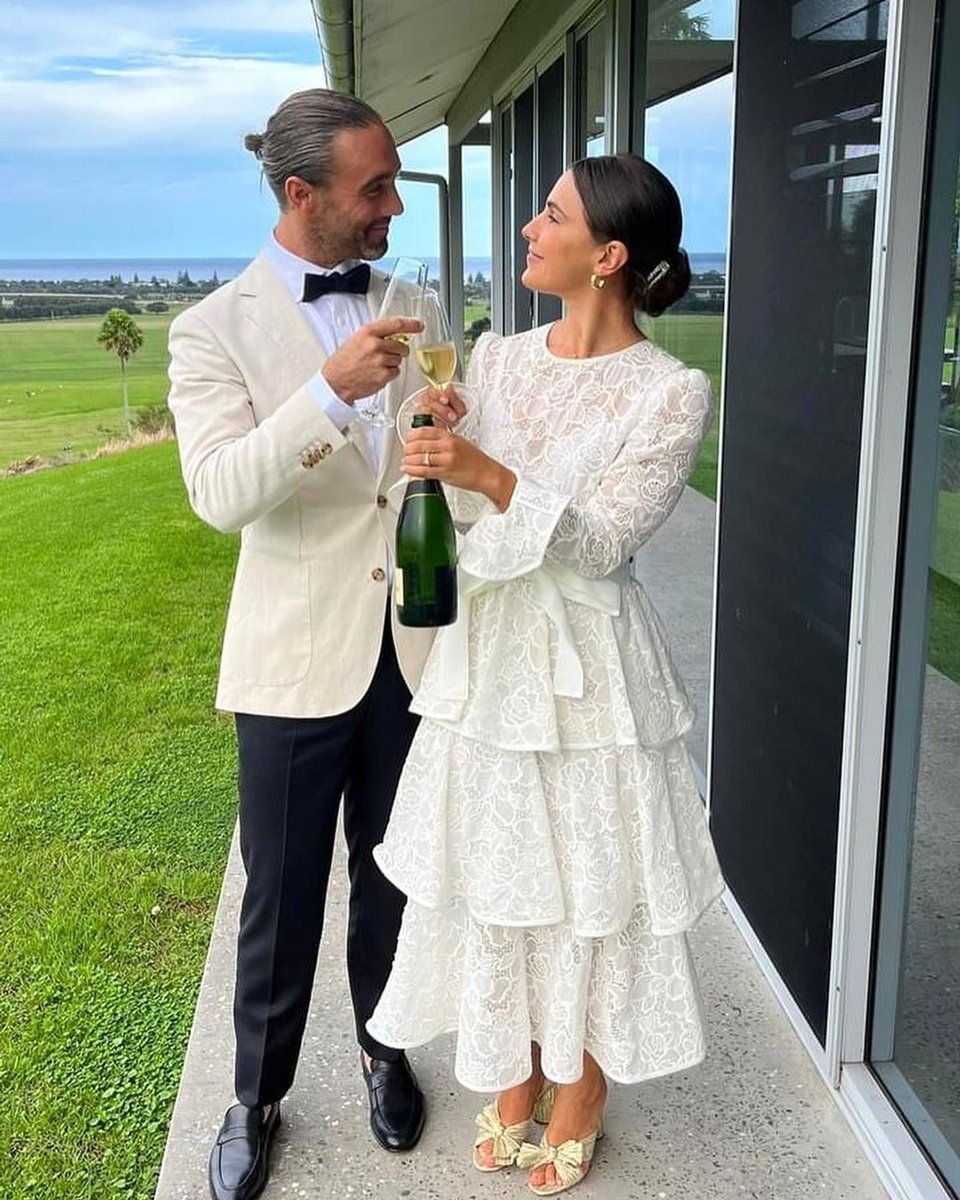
column 155, row 418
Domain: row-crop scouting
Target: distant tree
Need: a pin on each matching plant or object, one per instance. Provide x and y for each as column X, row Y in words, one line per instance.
column 121, row 335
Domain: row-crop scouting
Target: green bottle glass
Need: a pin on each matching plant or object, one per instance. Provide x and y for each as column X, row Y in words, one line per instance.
column 425, row 581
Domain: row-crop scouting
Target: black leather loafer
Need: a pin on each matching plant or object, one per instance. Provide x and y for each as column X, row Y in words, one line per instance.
column 397, row 1110
column 239, row 1161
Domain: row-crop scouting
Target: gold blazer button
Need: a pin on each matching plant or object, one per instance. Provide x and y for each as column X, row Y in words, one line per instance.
column 378, row 574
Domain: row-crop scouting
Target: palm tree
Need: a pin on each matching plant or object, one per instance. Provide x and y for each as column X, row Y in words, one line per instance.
column 121, row 334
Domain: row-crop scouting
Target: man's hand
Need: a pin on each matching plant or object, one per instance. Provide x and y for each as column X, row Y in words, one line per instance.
column 370, row 359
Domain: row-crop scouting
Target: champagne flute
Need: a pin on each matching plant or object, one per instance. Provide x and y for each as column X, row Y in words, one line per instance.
column 401, row 299
column 434, row 346
column 436, row 354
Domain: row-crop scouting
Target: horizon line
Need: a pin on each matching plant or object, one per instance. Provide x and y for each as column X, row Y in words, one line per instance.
column 177, row 258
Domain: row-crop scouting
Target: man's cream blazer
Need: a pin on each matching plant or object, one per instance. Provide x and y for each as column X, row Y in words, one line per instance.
column 260, row 455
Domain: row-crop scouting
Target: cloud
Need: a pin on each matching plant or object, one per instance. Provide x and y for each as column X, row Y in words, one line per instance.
column 142, row 75
column 41, row 34
column 175, row 102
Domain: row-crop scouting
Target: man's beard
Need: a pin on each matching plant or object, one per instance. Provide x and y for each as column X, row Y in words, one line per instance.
column 331, row 245
column 373, row 250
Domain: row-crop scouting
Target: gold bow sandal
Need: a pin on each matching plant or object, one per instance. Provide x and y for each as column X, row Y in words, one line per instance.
column 570, row 1160
column 543, row 1109
column 506, row 1139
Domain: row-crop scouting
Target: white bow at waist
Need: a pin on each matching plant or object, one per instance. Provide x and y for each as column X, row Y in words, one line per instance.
column 551, row 583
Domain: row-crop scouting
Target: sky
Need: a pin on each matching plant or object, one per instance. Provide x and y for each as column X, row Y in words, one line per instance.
column 124, row 122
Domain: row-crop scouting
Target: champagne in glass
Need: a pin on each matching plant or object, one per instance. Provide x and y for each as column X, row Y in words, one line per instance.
column 438, row 363
column 436, row 354
column 425, row 578
column 408, row 279
column 401, row 299
column 435, row 348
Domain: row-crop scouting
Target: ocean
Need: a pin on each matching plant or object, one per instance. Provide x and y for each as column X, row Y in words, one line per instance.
column 55, row 269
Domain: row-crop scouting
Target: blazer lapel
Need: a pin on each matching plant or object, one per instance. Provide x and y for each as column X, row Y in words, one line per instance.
column 269, row 305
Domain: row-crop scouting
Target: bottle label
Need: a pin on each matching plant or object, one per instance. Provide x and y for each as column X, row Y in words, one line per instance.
column 398, row 586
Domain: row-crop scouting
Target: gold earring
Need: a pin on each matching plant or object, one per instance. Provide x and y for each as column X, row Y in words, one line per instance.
column 597, row 282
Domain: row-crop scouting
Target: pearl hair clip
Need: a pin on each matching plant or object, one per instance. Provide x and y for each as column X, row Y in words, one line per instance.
column 658, row 272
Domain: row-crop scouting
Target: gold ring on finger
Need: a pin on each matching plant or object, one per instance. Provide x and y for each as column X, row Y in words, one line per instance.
column 426, row 458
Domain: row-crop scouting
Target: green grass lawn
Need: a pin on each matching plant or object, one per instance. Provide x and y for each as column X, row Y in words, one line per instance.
column 946, row 555
column 697, row 340
column 60, row 388
column 117, row 799
column 473, row 312
column 943, row 645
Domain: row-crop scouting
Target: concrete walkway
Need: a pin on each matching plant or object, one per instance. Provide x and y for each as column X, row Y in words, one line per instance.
column 755, row 1120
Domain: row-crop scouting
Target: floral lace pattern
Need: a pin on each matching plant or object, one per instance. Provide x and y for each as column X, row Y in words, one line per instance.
column 630, row 999
column 535, row 839
column 552, row 843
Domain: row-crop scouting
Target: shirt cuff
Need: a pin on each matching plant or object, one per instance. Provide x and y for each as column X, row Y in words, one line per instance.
column 340, row 413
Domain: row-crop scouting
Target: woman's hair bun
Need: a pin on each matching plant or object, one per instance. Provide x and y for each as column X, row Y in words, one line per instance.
column 254, row 143
column 656, row 297
column 629, row 200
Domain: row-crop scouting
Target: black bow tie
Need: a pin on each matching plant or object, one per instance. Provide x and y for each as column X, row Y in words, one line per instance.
column 356, row 281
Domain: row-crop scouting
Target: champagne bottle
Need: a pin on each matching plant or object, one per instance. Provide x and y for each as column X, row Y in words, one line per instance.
column 425, row 580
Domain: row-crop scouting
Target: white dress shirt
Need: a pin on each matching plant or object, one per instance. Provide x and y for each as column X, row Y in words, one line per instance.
column 333, row 319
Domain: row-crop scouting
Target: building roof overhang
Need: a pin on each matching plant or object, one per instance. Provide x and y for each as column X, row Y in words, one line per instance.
column 407, row 58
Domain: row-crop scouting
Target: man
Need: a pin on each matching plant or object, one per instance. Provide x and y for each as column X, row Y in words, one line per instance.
column 265, row 372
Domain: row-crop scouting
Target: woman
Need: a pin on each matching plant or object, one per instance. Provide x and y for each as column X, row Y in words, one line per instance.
column 547, row 829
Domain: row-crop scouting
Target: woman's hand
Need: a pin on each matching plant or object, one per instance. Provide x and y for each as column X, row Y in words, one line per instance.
column 444, row 406
column 434, row 452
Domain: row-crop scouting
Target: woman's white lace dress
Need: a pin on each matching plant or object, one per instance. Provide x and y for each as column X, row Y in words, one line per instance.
column 547, row 829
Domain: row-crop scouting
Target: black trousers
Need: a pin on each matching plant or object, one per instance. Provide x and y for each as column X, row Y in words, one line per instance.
column 293, row 773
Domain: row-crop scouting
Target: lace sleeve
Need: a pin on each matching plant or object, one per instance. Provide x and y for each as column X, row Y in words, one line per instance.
column 596, row 531
column 601, row 529
column 467, row 508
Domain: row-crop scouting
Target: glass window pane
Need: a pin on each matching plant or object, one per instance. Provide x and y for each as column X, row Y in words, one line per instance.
column 505, row 267
column 687, row 128
column 592, row 65
column 916, row 1032
column 688, row 138
column 523, row 129
column 691, row 42
column 477, row 224
column 550, row 160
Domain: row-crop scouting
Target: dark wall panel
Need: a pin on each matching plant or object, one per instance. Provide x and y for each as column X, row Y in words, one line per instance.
column 808, row 109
